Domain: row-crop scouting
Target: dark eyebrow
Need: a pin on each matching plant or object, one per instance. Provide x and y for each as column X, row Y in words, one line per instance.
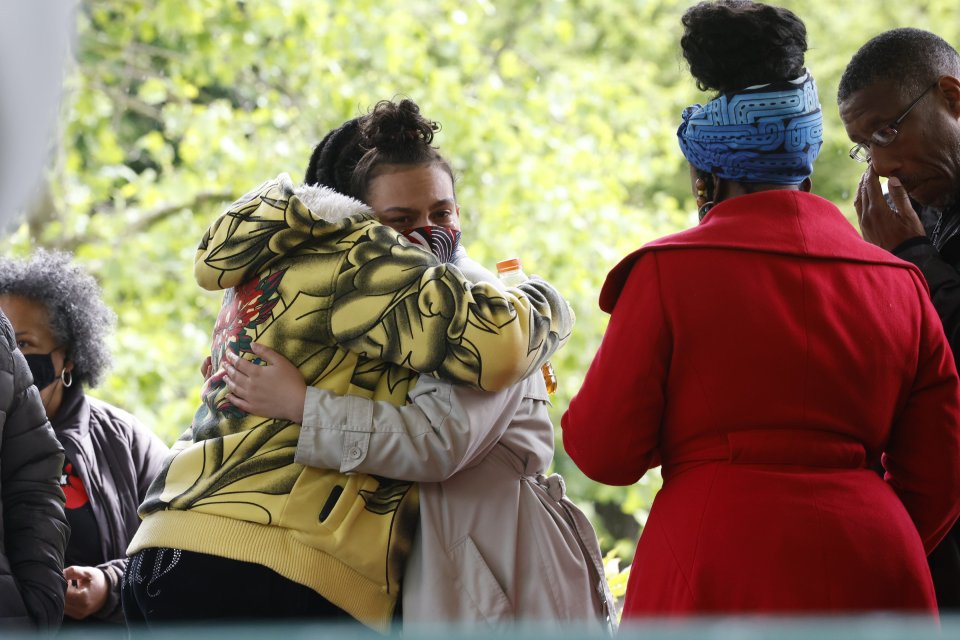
column 444, row 202
column 399, row 210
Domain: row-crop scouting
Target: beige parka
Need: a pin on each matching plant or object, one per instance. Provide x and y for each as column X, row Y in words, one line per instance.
column 499, row 542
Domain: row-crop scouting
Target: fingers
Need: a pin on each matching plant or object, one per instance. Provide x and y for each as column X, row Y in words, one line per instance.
column 236, row 382
column 241, row 365
column 899, row 195
column 872, row 191
column 886, row 220
column 75, row 579
column 237, row 368
column 75, row 605
column 240, row 403
column 242, row 376
column 266, row 353
column 858, row 201
column 870, row 203
column 79, row 573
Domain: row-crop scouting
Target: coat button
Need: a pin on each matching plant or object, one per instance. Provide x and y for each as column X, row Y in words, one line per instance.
column 355, row 453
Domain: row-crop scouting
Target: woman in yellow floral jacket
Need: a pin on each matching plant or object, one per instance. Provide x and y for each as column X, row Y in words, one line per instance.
column 359, row 310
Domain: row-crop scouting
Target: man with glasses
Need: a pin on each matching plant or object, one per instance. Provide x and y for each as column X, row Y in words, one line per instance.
column 899, row 100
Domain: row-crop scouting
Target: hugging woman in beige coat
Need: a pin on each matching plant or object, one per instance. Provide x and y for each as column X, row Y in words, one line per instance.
column 498, row 542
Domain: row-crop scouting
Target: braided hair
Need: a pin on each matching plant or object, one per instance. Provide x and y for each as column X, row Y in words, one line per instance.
column 392, row 134
column 334, row 159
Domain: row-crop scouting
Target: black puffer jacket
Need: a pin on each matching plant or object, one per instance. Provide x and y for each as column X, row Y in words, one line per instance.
column 33, row 528
column 117, row 459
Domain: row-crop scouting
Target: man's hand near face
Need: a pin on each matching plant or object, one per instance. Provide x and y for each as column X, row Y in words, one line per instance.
column 880, row 224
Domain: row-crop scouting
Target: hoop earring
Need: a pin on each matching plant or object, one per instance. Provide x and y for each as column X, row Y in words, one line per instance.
column 66, row 377
column 702, row 211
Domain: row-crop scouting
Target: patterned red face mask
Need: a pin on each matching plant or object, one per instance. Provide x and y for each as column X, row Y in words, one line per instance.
column 440, row 241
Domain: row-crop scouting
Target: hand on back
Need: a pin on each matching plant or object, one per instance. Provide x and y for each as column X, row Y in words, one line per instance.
column 275, row 390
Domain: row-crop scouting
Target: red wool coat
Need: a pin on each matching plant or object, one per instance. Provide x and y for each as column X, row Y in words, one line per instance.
column 769, row 358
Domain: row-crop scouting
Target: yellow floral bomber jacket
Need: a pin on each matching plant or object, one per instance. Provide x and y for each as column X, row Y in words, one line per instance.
column 359, row 310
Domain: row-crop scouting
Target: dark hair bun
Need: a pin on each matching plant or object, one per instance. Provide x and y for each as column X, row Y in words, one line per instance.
column 733, row 44
column 352, row 155
column 392, row 126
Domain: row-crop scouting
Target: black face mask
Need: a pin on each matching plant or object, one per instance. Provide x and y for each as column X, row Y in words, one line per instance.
column 41, row 366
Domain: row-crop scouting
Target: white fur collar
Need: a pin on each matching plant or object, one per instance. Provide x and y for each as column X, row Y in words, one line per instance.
column 324, row 202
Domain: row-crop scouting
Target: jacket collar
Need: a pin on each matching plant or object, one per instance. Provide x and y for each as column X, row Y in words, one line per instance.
column 323, row 201
column 73, row 416
column 942, row 225
column 784, row 222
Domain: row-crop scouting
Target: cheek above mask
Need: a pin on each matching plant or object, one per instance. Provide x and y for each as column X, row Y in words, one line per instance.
column 440, row 241
column 41, row 366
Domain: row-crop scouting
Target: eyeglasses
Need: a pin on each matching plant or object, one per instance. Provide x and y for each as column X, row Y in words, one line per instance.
column 886, row 135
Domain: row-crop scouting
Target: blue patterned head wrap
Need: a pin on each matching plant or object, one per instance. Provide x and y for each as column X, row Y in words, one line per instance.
column 767, row 133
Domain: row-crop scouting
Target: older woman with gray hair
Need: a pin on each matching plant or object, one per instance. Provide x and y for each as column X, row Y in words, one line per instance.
column 61, row 326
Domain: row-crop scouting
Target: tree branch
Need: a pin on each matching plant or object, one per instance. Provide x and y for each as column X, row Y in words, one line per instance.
column 157, row 215
column 150, row 218
column 129, row 103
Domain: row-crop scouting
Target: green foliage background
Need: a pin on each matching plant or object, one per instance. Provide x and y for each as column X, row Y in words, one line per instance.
column 559, row 117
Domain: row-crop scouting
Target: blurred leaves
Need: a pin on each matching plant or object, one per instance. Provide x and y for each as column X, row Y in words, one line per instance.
column 558, row 115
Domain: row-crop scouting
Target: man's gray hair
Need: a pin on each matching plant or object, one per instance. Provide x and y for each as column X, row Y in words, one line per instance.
column 910, row 58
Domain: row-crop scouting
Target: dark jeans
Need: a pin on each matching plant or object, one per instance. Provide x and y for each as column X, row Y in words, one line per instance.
column 171, row 585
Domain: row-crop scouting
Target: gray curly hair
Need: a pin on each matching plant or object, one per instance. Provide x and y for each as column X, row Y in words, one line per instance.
column 79, row 319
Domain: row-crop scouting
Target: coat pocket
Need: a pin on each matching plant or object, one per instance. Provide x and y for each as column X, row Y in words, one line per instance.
column 479, row 584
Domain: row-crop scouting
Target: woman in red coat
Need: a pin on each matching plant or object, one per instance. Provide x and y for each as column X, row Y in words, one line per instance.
column 771, row 361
